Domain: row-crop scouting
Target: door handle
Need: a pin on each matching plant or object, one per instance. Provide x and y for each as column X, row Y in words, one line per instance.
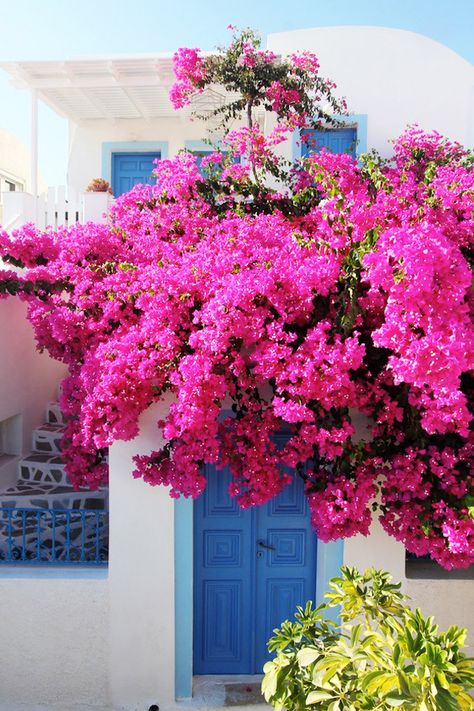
column 267, row 546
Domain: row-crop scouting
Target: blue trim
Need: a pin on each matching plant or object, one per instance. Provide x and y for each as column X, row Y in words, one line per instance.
column 110, row 147
column 183, row 597
column 330, row 560
column 28, row 572
column 359, row 119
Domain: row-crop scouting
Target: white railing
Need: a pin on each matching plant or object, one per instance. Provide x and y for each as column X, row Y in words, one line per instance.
column 57, row 208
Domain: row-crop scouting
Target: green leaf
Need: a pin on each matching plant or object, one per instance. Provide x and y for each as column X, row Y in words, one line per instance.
column 269, row 683
column 396, row 654
column 403, row 682
column 396, row 699
column 355, row 634
column 445, row 701
column 307, row 656
column 314, row 697
column 379, row 681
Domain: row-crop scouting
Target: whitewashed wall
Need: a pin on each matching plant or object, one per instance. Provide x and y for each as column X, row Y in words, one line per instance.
column 54, row 642
column 15, row 165
column 394, row 76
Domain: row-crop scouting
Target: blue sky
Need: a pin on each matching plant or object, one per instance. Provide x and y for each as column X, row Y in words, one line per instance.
column 59, row 29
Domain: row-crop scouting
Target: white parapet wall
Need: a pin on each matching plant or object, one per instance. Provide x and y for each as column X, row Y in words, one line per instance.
column 54, row 643
column 54, row 209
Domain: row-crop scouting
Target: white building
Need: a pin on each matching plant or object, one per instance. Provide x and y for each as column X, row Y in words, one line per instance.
column 15, row 163
column 125, row 638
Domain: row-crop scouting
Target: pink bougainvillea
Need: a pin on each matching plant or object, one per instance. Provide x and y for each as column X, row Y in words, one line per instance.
column 343, row 290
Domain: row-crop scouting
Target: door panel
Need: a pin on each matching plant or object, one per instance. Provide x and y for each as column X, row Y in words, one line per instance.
column 222, row 571
column 222, row 640
column 129, row 169
column 286, row 563
column 251, row 569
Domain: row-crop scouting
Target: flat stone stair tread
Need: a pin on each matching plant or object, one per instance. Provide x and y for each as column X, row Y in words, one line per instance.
column 47, row 438
column 25, row 487
column 34, row 488
column 48, row 427
column 241, row 694
column 241, row 691
column 47, row 468
column 42, row 459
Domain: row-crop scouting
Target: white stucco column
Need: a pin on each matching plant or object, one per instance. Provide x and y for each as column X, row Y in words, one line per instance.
column 141, row 580
column 34, row 142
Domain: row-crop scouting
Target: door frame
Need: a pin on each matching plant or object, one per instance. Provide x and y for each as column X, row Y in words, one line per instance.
column 329, row 559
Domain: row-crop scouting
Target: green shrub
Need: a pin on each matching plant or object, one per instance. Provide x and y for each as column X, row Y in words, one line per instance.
column 381, row 656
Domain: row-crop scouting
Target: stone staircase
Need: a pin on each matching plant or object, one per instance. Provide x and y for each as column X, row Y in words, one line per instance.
column 42, row 486
column 42, row 480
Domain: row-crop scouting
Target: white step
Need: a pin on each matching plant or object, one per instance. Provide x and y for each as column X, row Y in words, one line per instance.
column 45, row 468
column 47, row 439
column 54, row 416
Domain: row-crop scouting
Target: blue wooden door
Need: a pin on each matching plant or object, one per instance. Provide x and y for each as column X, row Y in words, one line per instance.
column 251, row 569
column 336, row 140
column 129, row 169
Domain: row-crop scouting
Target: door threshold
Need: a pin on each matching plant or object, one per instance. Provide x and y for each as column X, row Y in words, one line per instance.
column 224, row 690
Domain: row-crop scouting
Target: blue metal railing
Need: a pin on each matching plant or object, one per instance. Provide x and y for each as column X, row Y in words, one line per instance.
column 54, row 537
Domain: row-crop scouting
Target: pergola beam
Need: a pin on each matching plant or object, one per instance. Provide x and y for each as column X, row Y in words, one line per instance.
column 72, row 88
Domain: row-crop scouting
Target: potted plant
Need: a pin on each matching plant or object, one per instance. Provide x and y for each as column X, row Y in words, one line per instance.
column 99, row 185
column 380, row 655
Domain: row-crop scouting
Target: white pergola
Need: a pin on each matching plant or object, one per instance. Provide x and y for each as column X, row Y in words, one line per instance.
column 90, row 89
